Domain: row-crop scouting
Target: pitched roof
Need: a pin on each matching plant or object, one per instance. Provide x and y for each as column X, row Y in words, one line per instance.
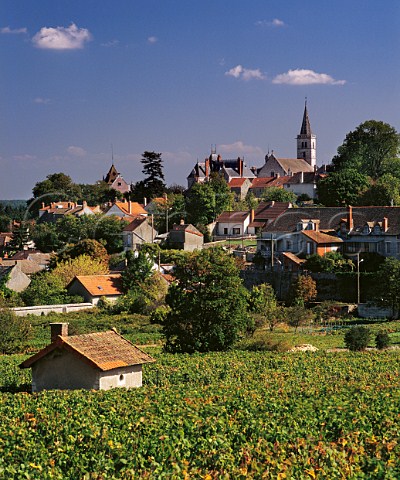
column 99, row 285
column 233, row 216
column 111, row 175
column 264, row 182
column 294, row 258
column 305, row 126
column 134, row 224
column 320, row 237
column 269, row 211
column 295, row 165
column 103, row 350
column 187, row 227
column 308, row 177
column 131, row 208
column 237, row 182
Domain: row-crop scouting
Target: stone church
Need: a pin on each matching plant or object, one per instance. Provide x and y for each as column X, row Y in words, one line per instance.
column 306, row 160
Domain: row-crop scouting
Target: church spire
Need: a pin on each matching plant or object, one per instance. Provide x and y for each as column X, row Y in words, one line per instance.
column 305, row 126
column 307, row 141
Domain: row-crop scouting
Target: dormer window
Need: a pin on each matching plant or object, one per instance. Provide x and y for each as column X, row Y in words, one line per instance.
column 377, row 229
column 366, row 230
column 310, row 226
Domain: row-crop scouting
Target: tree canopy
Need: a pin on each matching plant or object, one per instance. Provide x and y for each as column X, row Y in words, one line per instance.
column 208, row 304
column 153, row 185
column 278, row 194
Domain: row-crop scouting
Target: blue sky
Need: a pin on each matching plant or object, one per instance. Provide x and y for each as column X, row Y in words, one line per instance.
column 177, row 76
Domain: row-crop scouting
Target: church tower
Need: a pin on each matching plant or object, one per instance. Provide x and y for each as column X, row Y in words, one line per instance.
column 307, row 141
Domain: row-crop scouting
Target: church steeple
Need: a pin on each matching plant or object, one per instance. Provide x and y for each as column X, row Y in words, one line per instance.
column 307, row 141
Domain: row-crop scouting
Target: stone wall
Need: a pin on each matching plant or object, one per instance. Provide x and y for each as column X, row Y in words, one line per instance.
column 45, row 309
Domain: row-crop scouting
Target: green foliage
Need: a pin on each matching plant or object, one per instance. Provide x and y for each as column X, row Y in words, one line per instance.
column 208, row 304
column 344, row 187
column 153, row 184
column 298, row 315
column 46, row 289
column 388, row 284
column 206, row 416
column 46, row 237
column 385, row 191
column 263, row 302
column 200, row 204
column 357, row 338
column 88, row 247
column 331, row 262
column 139, row 268
column 368, row 148
column 278, row 194
column 382, row 340
column 66, row 270
column 14, row 331
column 304, row 289
column 99, row 193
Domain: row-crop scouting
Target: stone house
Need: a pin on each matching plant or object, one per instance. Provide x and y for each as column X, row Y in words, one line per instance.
column 138, row 232
column 116, row 181
column 185, row 237
column 93, row 287
column 233, row 223
column 303, row 183
column 126, row 209
column 260, row 184
column 13, row 277
column 95, row 361
column 240, row 186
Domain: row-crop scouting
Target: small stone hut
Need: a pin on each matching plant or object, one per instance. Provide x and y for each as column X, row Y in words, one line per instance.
column 98, row 361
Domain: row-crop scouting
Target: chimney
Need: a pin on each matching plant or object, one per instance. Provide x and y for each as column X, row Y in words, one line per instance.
column 385, row 224
column 129, row 207
column 145, row 201
column 58, row 329
column 252, row 215
column 182, row 222
column 207, row 167
column 301, row 177
column 350, row 222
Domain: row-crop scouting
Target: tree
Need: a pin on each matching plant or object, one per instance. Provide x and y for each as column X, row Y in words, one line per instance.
column 139, row 268
column 208, row 304
column 20, row 237
column 368, row 148
column 344, row 187
column 99, row 193
column 200, row 204
column 263, row 302
column 382, row 340
column 56, row 187
column 223, row 195
column 46, row 237
column 88, row 246
column 385, row 191
column 388, row 284
column 304, row 289
column 153, row 184
column 66, row 270
column 46, row 289
column 278, row 194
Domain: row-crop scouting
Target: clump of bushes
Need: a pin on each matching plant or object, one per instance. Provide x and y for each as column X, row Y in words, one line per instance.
column 357, row 338
column 382, row 340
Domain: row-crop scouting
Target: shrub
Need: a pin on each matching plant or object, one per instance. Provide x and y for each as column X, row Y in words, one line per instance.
column 382, row 340
column 357, row 338
column 14, row 331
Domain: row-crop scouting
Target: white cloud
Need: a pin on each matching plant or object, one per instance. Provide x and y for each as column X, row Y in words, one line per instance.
column 24, row 158
column 41, row 100
column 62, row 38
column 239, row 148
column 111, row 43
column 76, row 151
column 306, row 77
column 15, row 31
column 274, row 23
column 245, row 73
column 152, row 40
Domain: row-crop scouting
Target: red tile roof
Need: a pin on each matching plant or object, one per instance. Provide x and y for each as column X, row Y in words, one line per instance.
column 233, row 216
column 103, row 350
column 100, row 285
column 320, row 237
column 265, row 182
column 237, row 182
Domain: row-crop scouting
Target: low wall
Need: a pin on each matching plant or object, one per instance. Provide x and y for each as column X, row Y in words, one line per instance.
column 366, row 310
column 45, row 309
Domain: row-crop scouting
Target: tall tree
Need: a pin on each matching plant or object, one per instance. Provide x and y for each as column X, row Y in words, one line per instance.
column 368, row 148
column 208, row 304
column 200, row 204
column 263, row 303
column 278, row 194
column 153, row 185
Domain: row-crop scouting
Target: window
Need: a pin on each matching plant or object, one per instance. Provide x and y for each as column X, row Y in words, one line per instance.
column 387, row 247
column 288, row 244
column 236, row 231
column 225, row 231
column 121, row 379
column 272, row 173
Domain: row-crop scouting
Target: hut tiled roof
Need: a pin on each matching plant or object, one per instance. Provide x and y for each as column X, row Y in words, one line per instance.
column 103, row 350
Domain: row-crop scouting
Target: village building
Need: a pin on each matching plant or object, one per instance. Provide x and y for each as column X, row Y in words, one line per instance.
column 116, row 181
column 126, row 209
column 266, row 213
column 233, row 224
column 94, row 287
column 240, row 187
column 185, row 237
column 13, row 277
column 138, row 232
column 260, row 184
column 56, row 210
column 304, row 183
column 95, row 361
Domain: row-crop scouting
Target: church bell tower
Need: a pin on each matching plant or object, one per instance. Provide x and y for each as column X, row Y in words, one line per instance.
column 307, row 141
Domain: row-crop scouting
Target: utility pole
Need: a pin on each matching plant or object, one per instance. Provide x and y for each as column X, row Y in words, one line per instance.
column 272, row 251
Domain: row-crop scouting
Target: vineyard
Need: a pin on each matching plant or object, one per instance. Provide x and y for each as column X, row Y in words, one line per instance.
column 228, row 416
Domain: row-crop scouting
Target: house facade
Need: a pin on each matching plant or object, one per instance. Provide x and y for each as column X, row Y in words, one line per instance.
column 56, row 210
column 96, row 361
column 185, row 237
column 233, row 223
column 138, row 232
column 116, row 181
